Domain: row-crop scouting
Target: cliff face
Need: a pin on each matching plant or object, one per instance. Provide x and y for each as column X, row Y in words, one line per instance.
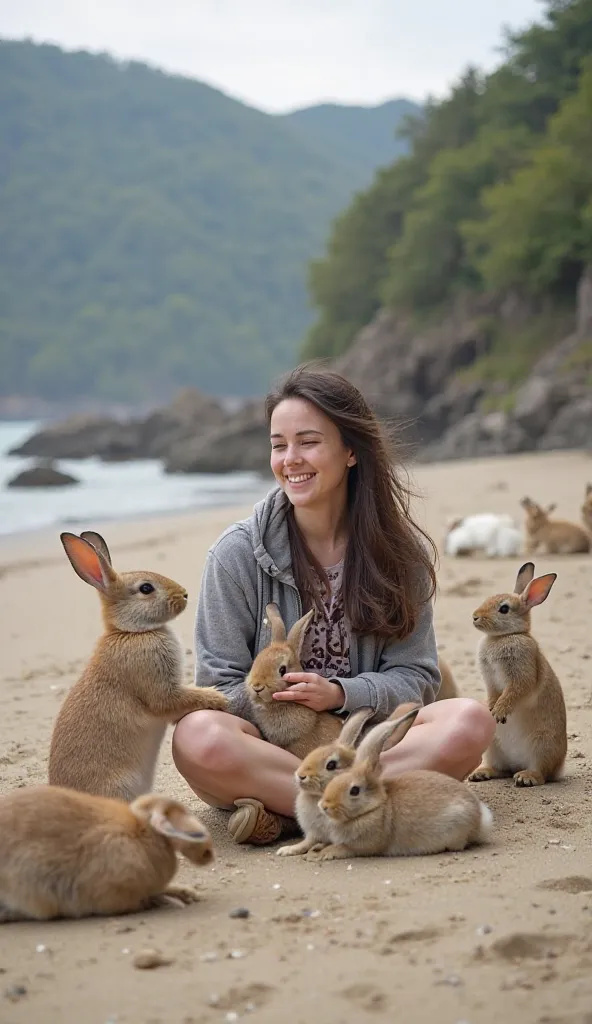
column 452, row 386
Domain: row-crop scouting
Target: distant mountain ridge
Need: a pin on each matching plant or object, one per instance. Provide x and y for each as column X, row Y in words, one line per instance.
column 357, row 134
column 155, row 232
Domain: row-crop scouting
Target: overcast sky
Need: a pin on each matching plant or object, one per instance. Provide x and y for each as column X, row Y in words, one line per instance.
column 281, row 54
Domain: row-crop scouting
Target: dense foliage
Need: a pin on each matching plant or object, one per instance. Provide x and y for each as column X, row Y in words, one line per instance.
column 495, row 193
column 153, row 231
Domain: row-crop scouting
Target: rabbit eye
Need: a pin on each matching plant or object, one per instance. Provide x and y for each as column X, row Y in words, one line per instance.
column 354, row 790
column 146, row 588
column 331, row 766
column 282, row 670
column 504, row 608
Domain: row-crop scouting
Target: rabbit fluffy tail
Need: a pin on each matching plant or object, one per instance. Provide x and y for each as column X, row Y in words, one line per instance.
column 486, row 824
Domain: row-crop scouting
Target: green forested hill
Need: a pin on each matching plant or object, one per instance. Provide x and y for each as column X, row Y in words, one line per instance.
column 153, row 231
column 359, row 136
column 495, row 194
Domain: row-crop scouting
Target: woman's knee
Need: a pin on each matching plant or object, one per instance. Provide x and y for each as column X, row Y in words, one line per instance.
column 471, row 727
column 205, row 740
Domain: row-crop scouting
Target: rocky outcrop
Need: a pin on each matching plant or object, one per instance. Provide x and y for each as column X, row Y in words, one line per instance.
column 422, row 380
column 81, row 437
column 45, row 474
column 241, row 444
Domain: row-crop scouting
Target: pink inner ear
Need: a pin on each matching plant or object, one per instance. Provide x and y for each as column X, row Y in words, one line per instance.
column 539, row 589
column 85, row 558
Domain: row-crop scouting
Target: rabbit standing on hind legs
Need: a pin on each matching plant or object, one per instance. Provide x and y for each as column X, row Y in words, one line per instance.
column 109, row 729
column 524, row 694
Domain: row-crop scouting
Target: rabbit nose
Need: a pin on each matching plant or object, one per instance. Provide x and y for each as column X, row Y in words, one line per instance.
column 258, row 689
column 476, row 618
column 302, row 778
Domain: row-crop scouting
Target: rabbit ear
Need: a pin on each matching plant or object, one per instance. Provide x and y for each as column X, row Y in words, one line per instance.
column 182, row 827
column 354, row 725
column 87, row 562
column 278, row 630
column 525, row 575
column 372, row 745
column 98, row 543
column 588, row 489
column 538, row 590
column 296, row 634
column 550, row 508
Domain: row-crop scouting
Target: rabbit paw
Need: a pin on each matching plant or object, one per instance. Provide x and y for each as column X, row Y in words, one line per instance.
column 296, row 849
column 483, row 774
column 175, row 894
column 527, row 778
column 333, row 853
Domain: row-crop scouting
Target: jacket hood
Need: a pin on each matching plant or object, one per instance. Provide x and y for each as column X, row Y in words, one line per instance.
column 269, row 533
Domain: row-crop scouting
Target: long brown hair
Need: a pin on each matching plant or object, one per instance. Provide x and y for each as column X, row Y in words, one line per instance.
column 389, row 570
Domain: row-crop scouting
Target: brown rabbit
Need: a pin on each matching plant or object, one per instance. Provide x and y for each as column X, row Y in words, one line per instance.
column 69, row 854
column 109, row 729
column 417, row 812
column 524, row 694
column 292, row 726
column 313, row 774
column 552, row 536
column 448, row 687
column 587, row 508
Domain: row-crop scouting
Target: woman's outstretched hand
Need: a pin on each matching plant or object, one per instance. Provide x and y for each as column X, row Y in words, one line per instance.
column 312, row 690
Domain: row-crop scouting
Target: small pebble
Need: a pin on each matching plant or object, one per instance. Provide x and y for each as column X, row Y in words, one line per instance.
column 241, row 912
column 15, row 992
column 484, row 929
column 40, row 948
column 207, row 958
column 311, row 913
column 236, row 954
column 231, row 1016
column 148, row 959
column 276, row 885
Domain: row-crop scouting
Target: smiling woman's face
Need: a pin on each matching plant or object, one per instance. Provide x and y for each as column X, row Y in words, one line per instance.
column 308, row 457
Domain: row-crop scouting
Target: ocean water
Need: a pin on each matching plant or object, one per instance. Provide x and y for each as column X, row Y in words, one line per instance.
column 118, row 490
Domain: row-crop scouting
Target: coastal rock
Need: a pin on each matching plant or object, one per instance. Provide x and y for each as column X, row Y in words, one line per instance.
column 45, row 474
column 241, row 444
column 80, row 437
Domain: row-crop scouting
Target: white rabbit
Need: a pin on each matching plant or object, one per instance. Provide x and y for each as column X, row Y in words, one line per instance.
column 496, row 535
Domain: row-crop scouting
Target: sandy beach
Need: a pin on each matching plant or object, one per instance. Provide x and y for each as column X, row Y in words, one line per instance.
column 500, row 933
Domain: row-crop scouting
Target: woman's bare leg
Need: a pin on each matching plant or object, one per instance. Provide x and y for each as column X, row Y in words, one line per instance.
column 223, row 759
column 448, row 736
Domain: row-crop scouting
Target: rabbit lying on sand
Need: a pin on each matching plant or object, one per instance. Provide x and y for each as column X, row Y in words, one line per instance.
column 109, row 729
column 523, row 692
column 417, row 812
column 68, row 854
column 552, row 536
column 496, row 535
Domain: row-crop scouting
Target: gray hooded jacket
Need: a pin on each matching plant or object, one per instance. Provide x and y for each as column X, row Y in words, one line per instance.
column 249, row 566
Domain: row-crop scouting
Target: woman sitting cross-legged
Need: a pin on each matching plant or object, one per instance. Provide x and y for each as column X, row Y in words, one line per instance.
column 336, row 535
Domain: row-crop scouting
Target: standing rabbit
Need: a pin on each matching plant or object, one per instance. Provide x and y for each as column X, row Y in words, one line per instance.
column 69, row 854
column 416, row 813
column 524, row 694
column 290, row 725
column 110, row 727
column 312, row 776
column 553, row 536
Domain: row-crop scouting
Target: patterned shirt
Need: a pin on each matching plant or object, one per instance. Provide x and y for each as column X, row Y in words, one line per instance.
column 326, row 644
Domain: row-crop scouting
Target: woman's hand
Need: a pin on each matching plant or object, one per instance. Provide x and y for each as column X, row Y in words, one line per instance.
column 312, row 690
